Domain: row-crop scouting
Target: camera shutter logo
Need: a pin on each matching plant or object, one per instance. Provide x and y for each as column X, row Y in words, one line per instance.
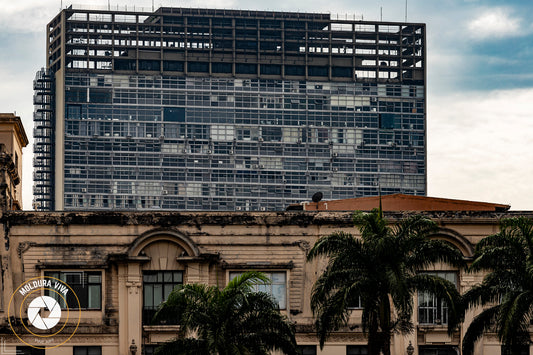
column 34, row 312
column 44, row 312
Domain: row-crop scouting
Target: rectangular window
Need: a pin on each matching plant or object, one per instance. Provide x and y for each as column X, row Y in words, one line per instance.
column 387, row 120
column 76, row 95
column 356, row 305
column 295, row 70
column 356, row 350
column 307, row 349
column 270, row 69
column 157, row 285
column 87, row 350
column 149, row 349
column 431, row 309
column 198, row 67
column 341, row 72
column 242, row 68
column 438, row 350
column 174, row 114
column 151, row 65
column 277, row 288
column 524, row 350
column 173, row 65
column 86, row 284
column 221, row 67
column 318, row 71
column 102, row 96
column 73, row 111
column 29, row 350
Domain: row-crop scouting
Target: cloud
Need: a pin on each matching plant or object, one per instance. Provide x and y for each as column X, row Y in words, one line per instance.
column 479, row 147
column 495, row 23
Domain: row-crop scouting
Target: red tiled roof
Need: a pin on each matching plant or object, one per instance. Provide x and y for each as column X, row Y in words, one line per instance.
column 401, row 202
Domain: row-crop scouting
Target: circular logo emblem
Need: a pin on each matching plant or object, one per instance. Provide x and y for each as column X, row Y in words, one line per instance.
column 47, row 312
column 34, row 312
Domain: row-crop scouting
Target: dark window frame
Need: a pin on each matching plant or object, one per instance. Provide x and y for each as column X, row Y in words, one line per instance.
column 356, row 349
column 307, row 349
column 87, row 350
column 437, row 305
column 167, row 285
column 89, row 281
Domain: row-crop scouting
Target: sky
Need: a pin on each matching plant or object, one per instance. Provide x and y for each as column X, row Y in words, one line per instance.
column 479, row 82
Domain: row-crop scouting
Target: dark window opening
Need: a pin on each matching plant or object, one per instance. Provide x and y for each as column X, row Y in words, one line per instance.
column 74, row 111
column 318, row 71
column 524, row 350
column 86, row 285
column 198, row 67
column 307, row 349
column 87, row 350
column 221, row 67
column 437, row 350
column 341, row 72
column 387, row 120
column 76, row 95
column 356, row 350
column 295, row 70
column 151, row 65
column 270, row 69
column 29, row 350
column 241, row 68
column 125, row 64
column 174, row 114
column 102, row 96
column 157, row 285
column 173, row 65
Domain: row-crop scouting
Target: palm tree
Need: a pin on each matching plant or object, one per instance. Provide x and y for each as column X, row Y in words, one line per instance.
column 232, row 321
column 381, row 270
column 507, row 288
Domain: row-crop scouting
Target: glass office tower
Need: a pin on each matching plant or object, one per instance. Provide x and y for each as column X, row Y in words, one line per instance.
column 204, row 109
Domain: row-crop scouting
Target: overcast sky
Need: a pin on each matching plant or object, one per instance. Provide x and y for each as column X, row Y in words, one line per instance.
column 480, row 82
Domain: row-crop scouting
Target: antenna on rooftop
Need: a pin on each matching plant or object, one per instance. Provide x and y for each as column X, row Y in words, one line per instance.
column 381, row 13
column 405, row 10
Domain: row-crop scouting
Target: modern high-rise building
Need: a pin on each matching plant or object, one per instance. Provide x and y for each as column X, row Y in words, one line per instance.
column 204, row 109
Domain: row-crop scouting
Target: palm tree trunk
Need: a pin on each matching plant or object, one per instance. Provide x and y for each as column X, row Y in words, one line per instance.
column 385, row 323
column 386, row 342
column 374, row 343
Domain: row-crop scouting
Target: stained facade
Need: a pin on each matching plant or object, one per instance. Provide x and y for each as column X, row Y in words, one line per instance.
column 12, row 139
column 197, row 109
column 122, row 264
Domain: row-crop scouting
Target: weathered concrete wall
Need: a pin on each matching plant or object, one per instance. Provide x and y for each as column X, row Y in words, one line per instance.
column 206, row 246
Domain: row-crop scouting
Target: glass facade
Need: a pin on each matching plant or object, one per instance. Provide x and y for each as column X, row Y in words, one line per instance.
column 336, row 107
column 140, row 142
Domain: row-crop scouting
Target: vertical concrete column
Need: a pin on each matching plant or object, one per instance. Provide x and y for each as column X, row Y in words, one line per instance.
column 130, row 306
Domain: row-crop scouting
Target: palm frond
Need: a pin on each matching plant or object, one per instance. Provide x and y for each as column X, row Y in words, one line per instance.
column 445, row 290
column 333, row 244
column 479, row 325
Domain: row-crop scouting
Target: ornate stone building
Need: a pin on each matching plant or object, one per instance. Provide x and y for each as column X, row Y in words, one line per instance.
column 12, row 140
column 122, row 264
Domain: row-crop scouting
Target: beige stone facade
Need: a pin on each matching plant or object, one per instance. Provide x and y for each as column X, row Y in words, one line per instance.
column 12, row 140
column 125, row 260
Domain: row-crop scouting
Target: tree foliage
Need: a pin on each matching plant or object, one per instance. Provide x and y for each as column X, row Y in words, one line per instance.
column 382, row 270
column 233, row 321
column 506, row 291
